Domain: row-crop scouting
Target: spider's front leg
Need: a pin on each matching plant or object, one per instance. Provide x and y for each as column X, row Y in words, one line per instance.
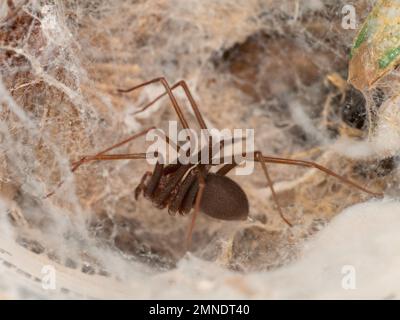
column 142, row 184
column 103, row 156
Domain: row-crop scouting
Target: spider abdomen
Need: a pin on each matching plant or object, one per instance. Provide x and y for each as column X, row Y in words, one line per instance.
column 224, row 199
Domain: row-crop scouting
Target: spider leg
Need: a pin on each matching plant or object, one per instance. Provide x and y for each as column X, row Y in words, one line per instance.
column 142, row 184
column 120, row 156
column 202, row 184
column 260, row 158
column 96, row 158
column 175, row 104
column 226, row 168
column 189, row 95
column 77, row 164
column 311, row 164
column 176, row 203
column 172, row 181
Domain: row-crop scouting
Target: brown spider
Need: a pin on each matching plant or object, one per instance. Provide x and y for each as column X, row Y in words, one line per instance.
column 182, row 187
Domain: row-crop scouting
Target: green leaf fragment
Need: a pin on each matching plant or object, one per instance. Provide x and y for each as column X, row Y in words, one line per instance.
column 388, row 58
column 362, row 36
